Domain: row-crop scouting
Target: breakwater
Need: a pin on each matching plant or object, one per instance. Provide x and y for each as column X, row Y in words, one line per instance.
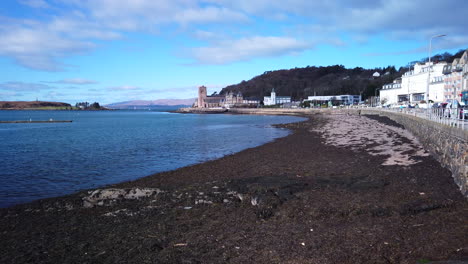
column 38, row 121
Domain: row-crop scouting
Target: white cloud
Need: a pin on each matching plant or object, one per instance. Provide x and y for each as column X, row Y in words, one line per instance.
column 70, row 27
column 76, row 81
column 36, row 48
column 248, row 48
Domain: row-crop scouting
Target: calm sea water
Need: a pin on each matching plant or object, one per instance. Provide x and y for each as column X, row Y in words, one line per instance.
column 104, row 147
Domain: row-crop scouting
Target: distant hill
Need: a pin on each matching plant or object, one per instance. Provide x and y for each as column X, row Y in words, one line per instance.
column 151, row 103
column 33, row 105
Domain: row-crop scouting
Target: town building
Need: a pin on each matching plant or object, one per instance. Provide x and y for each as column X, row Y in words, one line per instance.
column 231, row 99
column 412, row 86
column 464, row 92
column 453, row 79
column 250, row 101
column 456, row 79
column 345, row 99
column 275, row 100
column 448, row 81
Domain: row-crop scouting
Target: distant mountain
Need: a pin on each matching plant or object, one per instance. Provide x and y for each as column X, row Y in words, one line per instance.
column 151, row 103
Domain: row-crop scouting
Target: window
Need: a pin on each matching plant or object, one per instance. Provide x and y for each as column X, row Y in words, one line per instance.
column 418, row 97
column 402, row 98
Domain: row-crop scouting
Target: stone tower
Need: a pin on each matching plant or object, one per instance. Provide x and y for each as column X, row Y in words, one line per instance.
column 201, row 96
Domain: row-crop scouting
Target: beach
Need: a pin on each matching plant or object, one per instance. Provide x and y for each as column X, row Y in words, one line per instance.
column 339, row 189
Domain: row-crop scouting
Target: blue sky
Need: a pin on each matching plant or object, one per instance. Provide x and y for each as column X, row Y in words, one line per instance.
column 117, row 50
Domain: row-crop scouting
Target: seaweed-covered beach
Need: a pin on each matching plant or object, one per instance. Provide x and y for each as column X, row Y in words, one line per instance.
column 339, row 189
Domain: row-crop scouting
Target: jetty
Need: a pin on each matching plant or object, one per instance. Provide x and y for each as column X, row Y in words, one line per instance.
column 38, row 121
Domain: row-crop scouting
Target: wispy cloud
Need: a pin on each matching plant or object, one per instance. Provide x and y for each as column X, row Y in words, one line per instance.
column 6, row 96
column 75, row 81
column 22, row 86
column 124, row 88
column 248, row 48
column 173, row 90
column 412, row 51
column 54, row 95
column 35, row 3
column 209, row 15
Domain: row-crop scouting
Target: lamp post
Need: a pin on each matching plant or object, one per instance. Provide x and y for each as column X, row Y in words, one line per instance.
column 376, row 101
column 409, row 76
column 430, row 67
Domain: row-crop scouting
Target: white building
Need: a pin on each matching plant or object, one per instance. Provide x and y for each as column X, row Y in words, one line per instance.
column 412, row 86
column 275, row 100
column 343, row 99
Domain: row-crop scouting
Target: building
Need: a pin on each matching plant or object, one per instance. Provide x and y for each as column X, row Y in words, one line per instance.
column 201, row 96
column 205, row 101
column 447, row 83
column 231, row 99
column 453, row 78
column 456, row 79
column 250, row 101
column 412, row 86
column 345, row 99
column 465, row 78
column 275, row 100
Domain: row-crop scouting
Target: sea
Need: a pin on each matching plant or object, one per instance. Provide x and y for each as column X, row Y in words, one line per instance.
column 41, row 160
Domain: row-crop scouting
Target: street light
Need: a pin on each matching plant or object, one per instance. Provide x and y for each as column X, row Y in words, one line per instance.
column 430, row 67
column 409, row 77
column 376, row 101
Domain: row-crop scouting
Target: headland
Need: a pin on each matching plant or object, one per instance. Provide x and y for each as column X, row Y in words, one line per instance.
column 339, row 189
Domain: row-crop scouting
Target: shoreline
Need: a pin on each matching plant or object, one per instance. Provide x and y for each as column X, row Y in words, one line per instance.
column 293, row 200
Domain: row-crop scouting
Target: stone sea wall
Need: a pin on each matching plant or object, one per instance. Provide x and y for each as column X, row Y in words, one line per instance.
column 449, row 145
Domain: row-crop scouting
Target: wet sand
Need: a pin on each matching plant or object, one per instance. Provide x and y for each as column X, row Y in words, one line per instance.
column 339, row 189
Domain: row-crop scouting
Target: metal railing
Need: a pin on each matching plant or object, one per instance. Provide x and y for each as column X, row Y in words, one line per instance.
column 455, row 117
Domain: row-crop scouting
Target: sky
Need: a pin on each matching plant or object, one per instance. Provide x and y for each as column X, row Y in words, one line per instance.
column 110, row 51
